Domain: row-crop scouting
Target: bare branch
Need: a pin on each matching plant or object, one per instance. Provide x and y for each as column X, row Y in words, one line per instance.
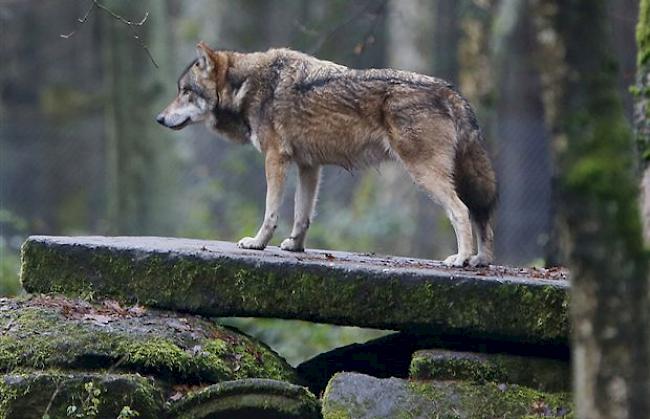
column 54, row 394
column 95, row 4
column 367, row 39
column 120, row 17
column 81, row 21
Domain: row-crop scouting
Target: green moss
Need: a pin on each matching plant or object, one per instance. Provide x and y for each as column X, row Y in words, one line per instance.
column 52, row 394
column 455, row 368
column 40, row 336
column 337, row 413
column 492, row 400
column 8, row 394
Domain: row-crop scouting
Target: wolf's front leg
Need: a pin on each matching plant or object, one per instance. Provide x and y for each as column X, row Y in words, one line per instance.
column 276, row 172
column 306, row 192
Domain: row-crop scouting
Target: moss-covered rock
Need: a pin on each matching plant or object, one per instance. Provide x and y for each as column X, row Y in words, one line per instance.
column 538, row 373
column 55, row 332
column 38, row 395
column 218, row 279
column 252, row 398
column 356, row 396
column 390, row 356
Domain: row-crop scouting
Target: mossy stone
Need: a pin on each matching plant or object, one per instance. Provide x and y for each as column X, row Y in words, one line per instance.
column 357, row 396
column 391, row 356
column 56, row 332
column 543, row 374
column 52, row 394
column 218, row 279
column 250, row 398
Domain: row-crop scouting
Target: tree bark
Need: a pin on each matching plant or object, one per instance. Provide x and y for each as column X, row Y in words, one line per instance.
column 599, row 213
column 642, row 111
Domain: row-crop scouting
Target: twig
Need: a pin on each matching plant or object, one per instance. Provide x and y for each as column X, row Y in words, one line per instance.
column 81, row 21
column 95, row 4
column 117, row 364
column 54, row 394
column 369, row 36
column 329, row 34
column 119, row 17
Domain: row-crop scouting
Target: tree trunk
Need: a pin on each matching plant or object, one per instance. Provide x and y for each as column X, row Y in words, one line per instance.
column 139, row 162
column 446, row 32
column 522, row 163
column 642, row 111
column 410, row 46
column 598, row 210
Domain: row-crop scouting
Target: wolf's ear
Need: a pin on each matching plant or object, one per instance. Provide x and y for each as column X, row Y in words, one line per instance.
column 205, row 57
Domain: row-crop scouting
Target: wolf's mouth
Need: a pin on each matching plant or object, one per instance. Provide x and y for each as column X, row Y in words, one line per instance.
column 181, row 125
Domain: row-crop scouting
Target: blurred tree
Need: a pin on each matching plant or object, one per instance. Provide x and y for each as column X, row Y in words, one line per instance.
column 598, row 211
column 642, row 111
column 410, row 46
column 446, row 35
column 140, row 162
column 476, row 78
column 520, row 137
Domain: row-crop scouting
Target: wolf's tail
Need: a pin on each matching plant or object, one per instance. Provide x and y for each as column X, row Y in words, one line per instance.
column 474, row 177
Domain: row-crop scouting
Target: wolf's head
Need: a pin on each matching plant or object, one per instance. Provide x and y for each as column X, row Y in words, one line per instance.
column 198, row 89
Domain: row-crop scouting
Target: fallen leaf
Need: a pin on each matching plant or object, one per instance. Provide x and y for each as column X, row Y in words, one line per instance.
column 98, row 319
column 115, row 306
column 137, row 310
column 176, row 396
column 539, row 407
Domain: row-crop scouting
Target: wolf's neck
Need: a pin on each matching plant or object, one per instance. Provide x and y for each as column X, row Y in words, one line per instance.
column 230, row 124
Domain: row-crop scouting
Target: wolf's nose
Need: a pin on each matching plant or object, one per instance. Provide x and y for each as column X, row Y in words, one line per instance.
column 160, row 119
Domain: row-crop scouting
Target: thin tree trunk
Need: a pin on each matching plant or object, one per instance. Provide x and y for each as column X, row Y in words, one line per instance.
column 642, row 111
column 523, row 162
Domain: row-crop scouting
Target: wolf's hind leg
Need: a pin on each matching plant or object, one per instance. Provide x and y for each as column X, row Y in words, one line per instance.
column 432, row 177
column 275, row 167
column 485, row 236
column 305, row 200
column 459, row 216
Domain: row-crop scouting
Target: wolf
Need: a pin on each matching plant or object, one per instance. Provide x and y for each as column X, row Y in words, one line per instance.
column 297, row 109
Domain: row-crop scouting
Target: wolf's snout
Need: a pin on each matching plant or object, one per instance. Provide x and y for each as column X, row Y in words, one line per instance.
column 161, row 119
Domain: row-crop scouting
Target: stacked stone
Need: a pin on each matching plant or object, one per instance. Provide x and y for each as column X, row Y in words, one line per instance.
column 473, row 343
column 69, row 358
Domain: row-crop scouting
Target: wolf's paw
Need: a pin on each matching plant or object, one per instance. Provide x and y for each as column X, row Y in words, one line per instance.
column 479, row 260
column 251, row 243
column 290, row 244
column 457, row 260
